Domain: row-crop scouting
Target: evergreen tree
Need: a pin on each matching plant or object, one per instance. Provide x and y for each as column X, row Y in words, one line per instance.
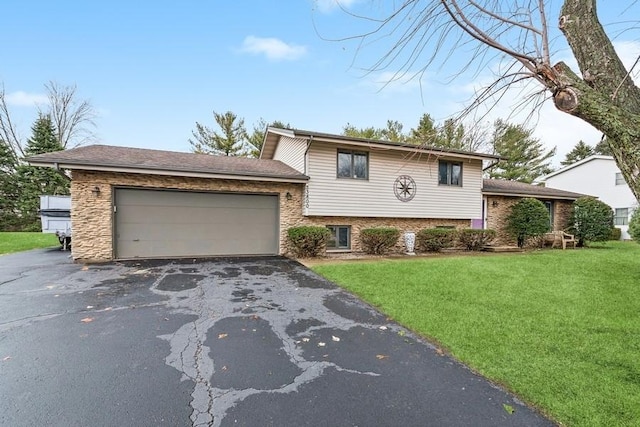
column 579, row 152
column 230, row 142
column 256, row 138
column 425, row 133
column 602, row 148
column 36, row 181
column 393, row 132
column 526, row 158
column 8, row 189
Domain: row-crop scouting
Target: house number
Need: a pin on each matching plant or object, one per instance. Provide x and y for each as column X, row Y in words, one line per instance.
column 404, row 188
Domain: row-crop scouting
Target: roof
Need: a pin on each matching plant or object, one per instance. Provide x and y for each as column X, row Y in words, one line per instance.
column 273, row 135
column 139, row 160
column 521, row 189
column 576, row 164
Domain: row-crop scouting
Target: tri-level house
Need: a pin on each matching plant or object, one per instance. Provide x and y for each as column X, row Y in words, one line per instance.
column 599, row 176
column 140, row 203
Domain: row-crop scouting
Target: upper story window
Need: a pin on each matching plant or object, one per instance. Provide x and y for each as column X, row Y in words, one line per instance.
column 353, row 164
column 449, row 173
column 620, row 179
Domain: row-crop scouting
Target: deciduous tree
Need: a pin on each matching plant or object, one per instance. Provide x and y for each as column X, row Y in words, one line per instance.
column 601, row 92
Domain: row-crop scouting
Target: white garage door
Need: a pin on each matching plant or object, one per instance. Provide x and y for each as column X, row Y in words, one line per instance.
column 156, row 223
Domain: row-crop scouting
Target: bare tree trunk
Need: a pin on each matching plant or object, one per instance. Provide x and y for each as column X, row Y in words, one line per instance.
column 605, row 96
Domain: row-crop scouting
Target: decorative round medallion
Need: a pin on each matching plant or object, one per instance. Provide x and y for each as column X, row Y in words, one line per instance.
column 404, row 188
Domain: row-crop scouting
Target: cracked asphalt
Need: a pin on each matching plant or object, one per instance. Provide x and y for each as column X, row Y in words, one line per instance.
column 220, row 342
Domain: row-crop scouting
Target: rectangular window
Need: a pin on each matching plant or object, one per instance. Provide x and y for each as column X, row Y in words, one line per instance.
column 620, row 179
column 621, row 217
column 549, row 206
column 340, row 237
column 353, row 164
column 450, row 173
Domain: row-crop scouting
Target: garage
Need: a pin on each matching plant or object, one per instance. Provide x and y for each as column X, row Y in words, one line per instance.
column 165, row 224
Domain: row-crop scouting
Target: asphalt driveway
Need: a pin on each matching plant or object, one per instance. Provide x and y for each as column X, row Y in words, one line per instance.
column 243, row 342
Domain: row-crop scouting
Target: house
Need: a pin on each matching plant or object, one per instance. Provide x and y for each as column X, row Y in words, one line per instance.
column 500, row 195
column 599, row 176
column 139, row 203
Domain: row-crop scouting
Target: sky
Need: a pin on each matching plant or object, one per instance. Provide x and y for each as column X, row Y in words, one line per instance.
column 154, row 69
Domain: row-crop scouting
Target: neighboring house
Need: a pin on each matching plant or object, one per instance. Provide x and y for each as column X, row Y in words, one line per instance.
column 138, row 203
column 598, row 176
column 499, row 196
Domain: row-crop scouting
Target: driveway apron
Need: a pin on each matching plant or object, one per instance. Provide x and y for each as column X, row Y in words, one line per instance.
column 242, row 342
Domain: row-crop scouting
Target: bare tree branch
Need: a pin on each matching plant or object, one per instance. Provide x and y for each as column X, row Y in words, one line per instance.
column 74, row 119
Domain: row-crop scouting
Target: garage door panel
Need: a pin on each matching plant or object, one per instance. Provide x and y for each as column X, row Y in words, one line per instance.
column 153, row 223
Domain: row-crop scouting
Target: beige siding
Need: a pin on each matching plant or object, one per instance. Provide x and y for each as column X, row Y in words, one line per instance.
column 328, row 195
column 290, row 151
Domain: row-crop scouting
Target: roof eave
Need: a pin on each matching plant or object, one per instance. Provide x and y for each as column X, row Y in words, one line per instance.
column 244, row 176
column 520, row 194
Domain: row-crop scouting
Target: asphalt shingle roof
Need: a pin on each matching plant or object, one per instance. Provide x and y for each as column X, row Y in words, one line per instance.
column 499, row 186
column 139, row 158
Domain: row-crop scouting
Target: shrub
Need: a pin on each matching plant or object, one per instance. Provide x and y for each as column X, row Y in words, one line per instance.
column 435, row 239
column 634, row 225
column 308, row 241
column 616, row 234
column 591, row 220
column 528, row 218
column 378, row 240
column 474, row 240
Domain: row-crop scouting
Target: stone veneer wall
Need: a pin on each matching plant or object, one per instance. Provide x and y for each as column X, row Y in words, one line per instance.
column 92, row 215
column 403, row 224
column 497, row 216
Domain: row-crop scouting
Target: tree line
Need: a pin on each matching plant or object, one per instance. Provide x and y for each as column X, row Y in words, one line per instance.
column 65, row 122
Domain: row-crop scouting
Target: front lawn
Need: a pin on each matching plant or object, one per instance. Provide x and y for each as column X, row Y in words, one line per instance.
column 17, row 242
column 559, row 328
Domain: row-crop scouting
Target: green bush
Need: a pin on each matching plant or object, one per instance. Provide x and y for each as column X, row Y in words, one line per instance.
column 616, row 234
column 591, row 220
column 528, row 218
column 475, row 240
column 378, row 240
column 634, row 225
column 308, row 241
column 435, row 239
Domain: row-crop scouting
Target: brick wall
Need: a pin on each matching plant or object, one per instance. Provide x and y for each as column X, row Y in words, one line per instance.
column 499, row 207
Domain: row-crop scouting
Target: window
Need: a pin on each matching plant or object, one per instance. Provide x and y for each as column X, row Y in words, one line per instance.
column 449, row 173
column 549, row 206
column 353, row 164
column 340, row 237
column 621, row 217
column 620, row 179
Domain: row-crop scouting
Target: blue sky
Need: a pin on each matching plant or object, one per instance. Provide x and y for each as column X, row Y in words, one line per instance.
column 152, row 69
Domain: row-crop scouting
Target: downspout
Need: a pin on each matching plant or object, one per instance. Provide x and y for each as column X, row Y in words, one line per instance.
column 57, row 168
column 306, row 151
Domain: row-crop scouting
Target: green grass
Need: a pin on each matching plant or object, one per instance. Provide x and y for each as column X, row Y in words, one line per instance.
column 559, row 328
column 17, row 242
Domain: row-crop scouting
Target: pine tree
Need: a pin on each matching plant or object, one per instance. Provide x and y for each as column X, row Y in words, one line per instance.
column 8, row 189
column 36, row 181
column 256, row 138
column 230, row 142
column 526, row 158
column 579, row 152
column 425, row 133
column 602, row 148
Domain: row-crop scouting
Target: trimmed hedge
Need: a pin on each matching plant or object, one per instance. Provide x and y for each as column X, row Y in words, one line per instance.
column 475, row 240
column 528, row 218
column 435, row 239
column 616, row 234
column 591, row 220
column 308, row 241
column 378, row 240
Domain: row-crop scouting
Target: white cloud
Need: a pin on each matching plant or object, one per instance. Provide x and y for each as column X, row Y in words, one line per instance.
column 327, row 6
column 24, row 99
column 274, row 49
